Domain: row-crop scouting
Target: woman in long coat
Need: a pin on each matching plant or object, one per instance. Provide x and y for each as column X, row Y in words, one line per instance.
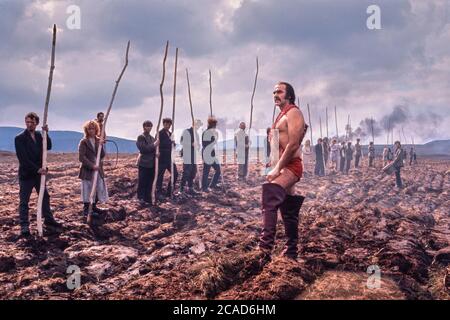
column 87, row 151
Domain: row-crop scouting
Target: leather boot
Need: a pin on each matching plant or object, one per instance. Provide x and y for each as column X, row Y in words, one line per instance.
column 85, row 208
column 273, row 196
column 289, row 212
column 97, row 210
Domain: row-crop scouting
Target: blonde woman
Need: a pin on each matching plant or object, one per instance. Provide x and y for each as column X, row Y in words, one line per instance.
column 87, row 150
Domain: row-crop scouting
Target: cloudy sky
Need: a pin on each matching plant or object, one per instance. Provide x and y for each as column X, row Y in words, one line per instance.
column 399, row 74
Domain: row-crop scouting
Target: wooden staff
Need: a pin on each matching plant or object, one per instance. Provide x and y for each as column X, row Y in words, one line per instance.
column 102, row 135
column 335, row 117
column 404, row 136
column 310, row 125
column 388, row 132
column 159, row 123
column 320, row 121
column 44, row 137
column 251, row 110
column 172, row 174
column 373, row 136
column 210, row 95
column 193, row 121
column 326, row 115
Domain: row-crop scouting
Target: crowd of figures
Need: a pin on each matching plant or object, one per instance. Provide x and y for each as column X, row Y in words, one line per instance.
column 324, row 158
column 29, row 147
column 331, row 158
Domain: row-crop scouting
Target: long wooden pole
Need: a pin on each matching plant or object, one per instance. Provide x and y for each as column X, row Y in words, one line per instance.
column 326, row 115
column 335, row 117
column 172, row 157
column 251, row 110
column 310, row 125
column 320, row 121
column 210, row 95
column 373, row 136
column 159, row 123
column 44, row 137
column 193, row 121
column 102, row 134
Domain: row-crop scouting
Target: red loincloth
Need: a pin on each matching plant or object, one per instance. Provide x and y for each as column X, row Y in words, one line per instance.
column 296, row 164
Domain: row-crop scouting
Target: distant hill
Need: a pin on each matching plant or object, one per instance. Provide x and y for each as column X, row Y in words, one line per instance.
column 63, row 141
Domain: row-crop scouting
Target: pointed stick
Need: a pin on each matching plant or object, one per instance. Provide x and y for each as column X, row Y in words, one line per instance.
column 172, row 157
column 335, row 117
column 159, row 123
column 102, row 134
column 326, row 115
column 193, row 121
column 373, row 136
column 251, row 110
column 44, row 136
column 210, row 95
column 320, row 121
column 310, row 125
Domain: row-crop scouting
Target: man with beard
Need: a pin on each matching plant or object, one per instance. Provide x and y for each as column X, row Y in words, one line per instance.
column 29, row 147
column 165, row 158
column 278, row 192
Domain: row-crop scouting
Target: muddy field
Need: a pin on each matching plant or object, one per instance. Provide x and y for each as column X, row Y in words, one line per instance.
column 203, row 247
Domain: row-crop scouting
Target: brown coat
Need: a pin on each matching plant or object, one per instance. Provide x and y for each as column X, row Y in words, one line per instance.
column 87, row 156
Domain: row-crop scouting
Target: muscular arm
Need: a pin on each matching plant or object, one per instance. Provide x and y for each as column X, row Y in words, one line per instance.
column 296, row 125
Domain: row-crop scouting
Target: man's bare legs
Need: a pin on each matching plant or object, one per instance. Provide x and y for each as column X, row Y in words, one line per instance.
column 287, row 179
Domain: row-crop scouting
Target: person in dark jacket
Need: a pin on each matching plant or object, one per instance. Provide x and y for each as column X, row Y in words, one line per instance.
column 190, row 145
column 348, row 157
column 398, row 163
column 165, row 157
column 209, row 140
column 320, row 162
column 146, row 145
column 342, row 157
column 29, row 147
column 87, row 155
column 358, row 152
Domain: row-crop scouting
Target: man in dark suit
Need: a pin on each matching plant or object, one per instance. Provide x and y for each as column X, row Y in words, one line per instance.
column 165, row 157
column 28, row 146
column 320, row 163
column 146, row 163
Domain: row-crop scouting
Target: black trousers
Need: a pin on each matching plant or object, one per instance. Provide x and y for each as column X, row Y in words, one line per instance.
column 341, row 164
column 319, row 169
column 357, row 157
column 398, row 178
column 348, row 163
column 189, row 172
column 371, row 161
column 215, row 179
column 26, row 188
column 163, row 166
column 145, row 182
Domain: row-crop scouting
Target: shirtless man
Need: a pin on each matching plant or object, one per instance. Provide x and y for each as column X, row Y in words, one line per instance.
column 278, row 191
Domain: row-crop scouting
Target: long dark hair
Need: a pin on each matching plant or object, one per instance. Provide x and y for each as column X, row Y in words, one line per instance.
column 290, row 93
